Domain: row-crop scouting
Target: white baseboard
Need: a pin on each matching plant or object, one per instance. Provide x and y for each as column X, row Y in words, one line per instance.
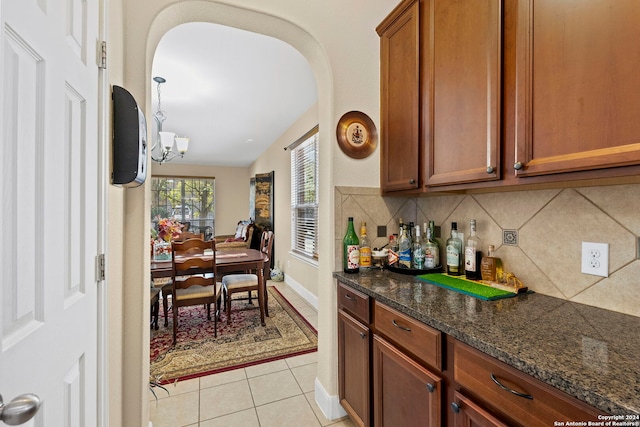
column 302, row 291
column 329, row 405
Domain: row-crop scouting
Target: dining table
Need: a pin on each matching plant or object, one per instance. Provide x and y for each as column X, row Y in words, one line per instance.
column 228, row 261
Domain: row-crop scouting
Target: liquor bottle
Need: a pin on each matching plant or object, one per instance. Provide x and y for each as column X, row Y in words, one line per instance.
column 404, row 250
column 418, row 250
column 472, row 254
column 365, row 249
column 432, row 249
column 491, row 266
column 454, row 251
column 351, row 249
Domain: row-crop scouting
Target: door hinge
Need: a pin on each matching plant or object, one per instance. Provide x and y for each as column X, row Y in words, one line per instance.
column 103, row 55
column 100, row 268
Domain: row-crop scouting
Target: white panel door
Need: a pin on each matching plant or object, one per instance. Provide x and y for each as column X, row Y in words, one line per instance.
column 49, row 213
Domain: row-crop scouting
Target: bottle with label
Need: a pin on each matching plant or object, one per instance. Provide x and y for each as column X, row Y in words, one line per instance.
column 404, row 250
column 454, row 251
column 418, row 250
column 431, row 248
column 351, row 249
column 472, row 254
column 365, row 249
column 491, row 266
column 393, row 242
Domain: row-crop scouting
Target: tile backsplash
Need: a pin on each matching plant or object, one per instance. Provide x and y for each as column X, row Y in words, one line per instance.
column 551, row 226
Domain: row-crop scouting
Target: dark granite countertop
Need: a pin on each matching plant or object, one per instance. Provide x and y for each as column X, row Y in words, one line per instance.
column 590, row 353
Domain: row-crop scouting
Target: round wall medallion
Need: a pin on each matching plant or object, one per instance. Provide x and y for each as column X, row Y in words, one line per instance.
column 357, row 135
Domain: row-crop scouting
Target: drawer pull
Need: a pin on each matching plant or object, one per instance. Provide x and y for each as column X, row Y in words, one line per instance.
column 455, row 407
column 349, row 297
column 431, row 388
column 517, row 393
column 404, row 328
column 363, row 335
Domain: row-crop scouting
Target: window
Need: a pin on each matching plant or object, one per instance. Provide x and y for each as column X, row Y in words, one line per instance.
column 304, row 194
column 188, row 200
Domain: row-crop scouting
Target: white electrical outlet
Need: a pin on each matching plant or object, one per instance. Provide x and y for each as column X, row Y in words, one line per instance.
column 595, row 258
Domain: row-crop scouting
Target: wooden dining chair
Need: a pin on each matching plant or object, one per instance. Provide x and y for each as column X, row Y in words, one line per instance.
column 248, row 282
column 185, row 235
column 194, row 279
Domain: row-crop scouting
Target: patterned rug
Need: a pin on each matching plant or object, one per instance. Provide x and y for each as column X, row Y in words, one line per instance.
column 244, row 342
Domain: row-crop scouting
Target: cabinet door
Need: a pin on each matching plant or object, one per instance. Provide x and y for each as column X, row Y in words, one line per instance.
column 576, row 85
column 467, row 413
column 354, row 368
column 399, row 98
column 463, row 108
column 404, row 392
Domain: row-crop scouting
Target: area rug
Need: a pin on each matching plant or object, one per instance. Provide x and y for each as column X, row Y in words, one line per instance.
column 244, row 342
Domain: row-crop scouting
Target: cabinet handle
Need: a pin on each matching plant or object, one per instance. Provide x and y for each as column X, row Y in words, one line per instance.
column 404, row 328
column 455, row 407
column 431, row 388
column 517, row 166
column 363, row 335
column 349, row 297
column 490, row 169
column 517, row 393
column 412, row 181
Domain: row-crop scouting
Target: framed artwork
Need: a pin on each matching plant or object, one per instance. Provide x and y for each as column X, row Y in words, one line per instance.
column 264, row 200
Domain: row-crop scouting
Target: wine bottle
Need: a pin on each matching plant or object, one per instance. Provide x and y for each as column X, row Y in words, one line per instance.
column 432, row 249
column 472, row 254
column 351, row 249
column 365, row 249
column 454, row 251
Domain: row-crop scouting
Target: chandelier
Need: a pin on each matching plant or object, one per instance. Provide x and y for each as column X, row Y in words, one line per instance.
column 167, row 145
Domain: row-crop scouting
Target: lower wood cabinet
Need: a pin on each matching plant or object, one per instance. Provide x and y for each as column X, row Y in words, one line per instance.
column 467, row 413
column 404, row 392
column 395, row 371
column 354, row 368
column 512, row 395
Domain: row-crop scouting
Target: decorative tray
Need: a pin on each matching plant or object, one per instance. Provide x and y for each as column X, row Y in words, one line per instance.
column 414, row 271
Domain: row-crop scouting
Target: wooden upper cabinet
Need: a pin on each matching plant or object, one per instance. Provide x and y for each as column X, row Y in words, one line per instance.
column 399, row 98
column 577, row 103
column 461, row 106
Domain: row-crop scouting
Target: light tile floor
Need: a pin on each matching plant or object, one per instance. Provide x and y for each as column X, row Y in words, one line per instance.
column 279, row 393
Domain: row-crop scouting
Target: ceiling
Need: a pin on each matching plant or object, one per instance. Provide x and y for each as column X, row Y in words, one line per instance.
column 231, row 91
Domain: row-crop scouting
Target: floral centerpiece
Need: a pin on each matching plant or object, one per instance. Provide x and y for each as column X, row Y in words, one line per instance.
column 168, row 230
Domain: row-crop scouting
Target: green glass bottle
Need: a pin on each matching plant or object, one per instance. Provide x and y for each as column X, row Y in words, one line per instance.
column 351, row 249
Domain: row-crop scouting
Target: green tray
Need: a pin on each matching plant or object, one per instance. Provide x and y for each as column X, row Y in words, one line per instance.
column 468, row 287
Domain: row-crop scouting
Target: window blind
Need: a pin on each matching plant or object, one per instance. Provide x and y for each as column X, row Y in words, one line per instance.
column 304, row 196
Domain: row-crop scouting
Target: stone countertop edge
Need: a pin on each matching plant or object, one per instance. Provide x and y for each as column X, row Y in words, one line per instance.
column 590, row 353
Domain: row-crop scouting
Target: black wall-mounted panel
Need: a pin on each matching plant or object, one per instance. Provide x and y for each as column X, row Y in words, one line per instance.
column 129, row 140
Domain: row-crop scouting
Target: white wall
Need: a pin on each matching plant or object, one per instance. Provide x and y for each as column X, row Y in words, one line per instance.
column 338, row 39
column 278, row 160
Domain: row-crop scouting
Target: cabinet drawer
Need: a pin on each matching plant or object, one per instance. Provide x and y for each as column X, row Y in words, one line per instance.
column 354, row 302
column 519, row 397
column 417, row 338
